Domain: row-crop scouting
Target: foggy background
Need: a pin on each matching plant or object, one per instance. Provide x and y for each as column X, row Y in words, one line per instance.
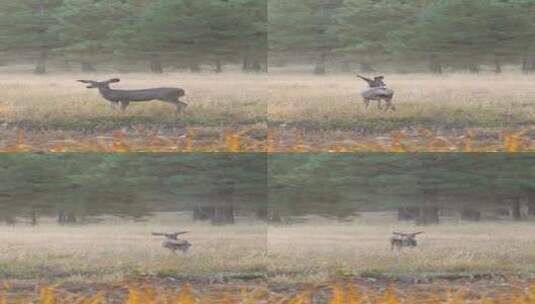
column 403, row 36
column 321, row 35
column 133, row 35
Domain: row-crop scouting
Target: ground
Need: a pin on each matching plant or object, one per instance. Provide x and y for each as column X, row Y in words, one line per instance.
column 278, row 112
column 320, row 258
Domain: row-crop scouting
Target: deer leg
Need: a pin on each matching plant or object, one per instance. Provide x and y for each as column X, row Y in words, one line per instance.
column 388, row 105
column 366, row 103
column 124, row 105
column 113, row 105
column 379, row 104
column 180, row 106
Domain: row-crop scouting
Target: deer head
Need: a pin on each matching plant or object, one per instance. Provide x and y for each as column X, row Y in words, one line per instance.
column 99, row 84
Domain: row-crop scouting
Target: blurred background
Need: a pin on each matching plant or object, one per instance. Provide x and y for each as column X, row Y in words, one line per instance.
column 133, row 35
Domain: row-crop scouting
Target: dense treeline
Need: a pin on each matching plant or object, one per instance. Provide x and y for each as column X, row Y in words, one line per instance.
column 217, row 187
column 74, row 186
column 429, row 35
column 419, row 186
column 157, row 34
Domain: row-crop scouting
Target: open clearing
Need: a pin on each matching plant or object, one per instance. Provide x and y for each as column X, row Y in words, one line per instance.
column 315, row 260
column 316, row 251
column 450, row 101
column 234, row 111
column 59, row 102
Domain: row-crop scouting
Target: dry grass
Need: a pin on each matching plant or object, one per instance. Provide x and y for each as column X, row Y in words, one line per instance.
column 316, row 252
column 90, row 263
column 114, row 251
column 449, row 101
column 312, row 252
column 446, row 113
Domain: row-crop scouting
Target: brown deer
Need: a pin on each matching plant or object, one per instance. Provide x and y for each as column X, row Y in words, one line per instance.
column 377, row 91
column 400, row 239
column 124, row 97
column 172, row 242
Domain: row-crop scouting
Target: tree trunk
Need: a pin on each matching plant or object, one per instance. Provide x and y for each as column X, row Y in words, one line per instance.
column 262, row 213
column 256, row 66
column 497, row 66
column 66, row 218
column 516, row 210
column 274, row 217
column 366, row 67
column 525, row 63
column 223, row 215
column 33, row 218
column 10, row 219
column 319, row 69
column 434, row 64
column 203, row 213
column 156, row 64
column 194, row 67
column 61, row 217
column 40, row 66
column 428, row 215
column 218, row 66
column 71, row 218
column 245, row 64
column 87, row 67
column 531, row 208
column 474, row 68
column 470, row 215
column 408, row 213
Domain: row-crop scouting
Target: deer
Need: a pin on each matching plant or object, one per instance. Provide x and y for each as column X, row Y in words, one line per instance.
column 172, row 242
column 400, row 239
column 124, row 97
column 377, row 91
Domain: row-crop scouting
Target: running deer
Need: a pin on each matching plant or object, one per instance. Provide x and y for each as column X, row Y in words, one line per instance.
column 172, row 242
column 399, row 240
column 377, row 91
column 124, row 97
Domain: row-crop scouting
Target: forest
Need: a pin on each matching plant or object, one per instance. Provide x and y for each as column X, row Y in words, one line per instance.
column 133, row 34
column 337, row 35
column 74, row 187
column 406, row 36
column 419, row 187
column 220, row 187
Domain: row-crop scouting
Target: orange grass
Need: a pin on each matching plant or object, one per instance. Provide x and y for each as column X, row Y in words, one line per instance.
column 297, row 141
column 333, row 293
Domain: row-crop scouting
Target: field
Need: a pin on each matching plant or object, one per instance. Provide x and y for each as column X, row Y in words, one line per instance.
column 232, row 112
column 56, row 113
column 317, row 259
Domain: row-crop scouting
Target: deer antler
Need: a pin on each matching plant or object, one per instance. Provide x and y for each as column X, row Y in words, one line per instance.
column 407, row 234
column 169, row 235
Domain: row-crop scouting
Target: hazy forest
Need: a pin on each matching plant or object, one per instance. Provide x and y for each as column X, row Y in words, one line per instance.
column 261, row 227
column 407, row 36
column 135, row 35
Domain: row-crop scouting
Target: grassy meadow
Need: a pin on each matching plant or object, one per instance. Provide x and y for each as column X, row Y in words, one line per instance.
column 318, row 261
column 232, row 111
column 450, row 101
column 58, row 101
column 311, row 252
column 116, row 249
